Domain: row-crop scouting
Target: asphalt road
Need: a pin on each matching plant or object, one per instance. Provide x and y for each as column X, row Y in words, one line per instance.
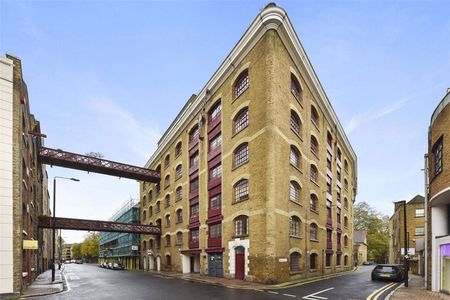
column 90, row 282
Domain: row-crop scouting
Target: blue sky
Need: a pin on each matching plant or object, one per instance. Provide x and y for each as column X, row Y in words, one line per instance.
column 110, row 76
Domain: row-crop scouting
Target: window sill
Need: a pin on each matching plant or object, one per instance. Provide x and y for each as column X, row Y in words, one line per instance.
column 237, row 167
column 316, row 155
column 314, row 211
column 315, row 182
column 236, row 133
column 177, row 200
column 328, row 267
column 292, row 273
column 315, row 125
column 237, row 202
column 295, row 202
column 295, row 167
column 298, row 134
column 296, row 237
column 178, row 155
column 312, row 240
column 239, row 236
column 298, row 99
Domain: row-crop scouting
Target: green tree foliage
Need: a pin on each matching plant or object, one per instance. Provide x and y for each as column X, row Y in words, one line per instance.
column 75, row 251
column 89, row 247
column 377, row 227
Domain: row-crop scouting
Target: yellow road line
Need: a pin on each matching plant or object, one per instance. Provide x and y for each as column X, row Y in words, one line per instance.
column 380, row 291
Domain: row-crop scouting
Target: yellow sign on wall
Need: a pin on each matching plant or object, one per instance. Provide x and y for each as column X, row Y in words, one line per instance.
column 30, row 244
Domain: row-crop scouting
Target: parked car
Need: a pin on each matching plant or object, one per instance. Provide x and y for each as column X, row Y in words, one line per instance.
column 67, row 261
column 117, row 266
column 110, row 266
column 368, row 263
column 73, row 261
column 388, row 272
column 79, row 261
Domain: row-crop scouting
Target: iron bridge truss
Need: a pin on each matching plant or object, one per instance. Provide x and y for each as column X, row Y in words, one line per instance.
column 60, row 158
column 94, row 225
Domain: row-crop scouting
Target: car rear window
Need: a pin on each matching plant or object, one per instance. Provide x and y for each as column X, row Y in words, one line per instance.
column 385, row 269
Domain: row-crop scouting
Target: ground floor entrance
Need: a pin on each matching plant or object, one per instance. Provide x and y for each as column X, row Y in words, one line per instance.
column 215, row 264
column 190, row 262
column 239, row 263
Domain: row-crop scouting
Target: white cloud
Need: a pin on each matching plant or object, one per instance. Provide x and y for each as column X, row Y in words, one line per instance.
column 367, row 117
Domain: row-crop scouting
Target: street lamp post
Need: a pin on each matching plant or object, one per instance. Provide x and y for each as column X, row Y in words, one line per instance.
column 54, row 221
column 405, row 245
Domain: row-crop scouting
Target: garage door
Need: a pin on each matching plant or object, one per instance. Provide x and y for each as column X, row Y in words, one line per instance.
column 215, row 264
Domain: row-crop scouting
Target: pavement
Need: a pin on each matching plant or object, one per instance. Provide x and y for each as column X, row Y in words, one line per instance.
column 416, row 291
column 43, row 284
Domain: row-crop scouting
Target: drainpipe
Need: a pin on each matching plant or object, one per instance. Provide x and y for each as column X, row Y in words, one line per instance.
column 426, row 216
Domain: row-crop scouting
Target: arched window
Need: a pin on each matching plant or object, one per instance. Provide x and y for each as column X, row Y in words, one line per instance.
column 314, row 173
column 241, row 84
column 167, row 240
column 150, row 244
column 144, row 245
column 240, row 121
column 150, row 196
column 314, row 202
column 179, row 238
column 167, row 181
column 241, row 190
column 314, row 116
column 158, row 223
column 178, row 172
column 144, row 215
column 346, row 260
column 345, row 241
column 241, row 226
column 346, row 202
column 314, row 145
column 167, row 201
column 294, row 262
column 178, row 149
column 313, row 261
column 313, row 232
column 295, row 88
column 167, row 220
column 194, row 133
column 241, row 155
column 296, row 124
column 158, row 206
column 329, row 139
column 179, row 216
column 345, row 165
column 143, row 201
column 168, row 259
column 294, row 228
column 339, row 154
column 214, row 112
column 345, row 221
column 294, row 194
column 167, row 161
column 179, row 193
column 150, row 211
column 295, row 157
column 345, row 184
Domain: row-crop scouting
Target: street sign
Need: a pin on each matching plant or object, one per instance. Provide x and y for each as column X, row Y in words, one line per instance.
column 30, row 244
column 134, row 247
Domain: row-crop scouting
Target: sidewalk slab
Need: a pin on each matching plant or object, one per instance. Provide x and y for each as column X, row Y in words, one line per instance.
column 43, row 285
column 416, row 291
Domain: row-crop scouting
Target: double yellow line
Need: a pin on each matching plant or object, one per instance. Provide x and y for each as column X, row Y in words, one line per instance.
column 380, row 291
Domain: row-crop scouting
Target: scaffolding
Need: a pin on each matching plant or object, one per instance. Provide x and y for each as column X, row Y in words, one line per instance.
column 122, row 247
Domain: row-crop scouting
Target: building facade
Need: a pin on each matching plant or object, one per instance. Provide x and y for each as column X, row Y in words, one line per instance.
column 258, row 178
column 415, row 226
column 66, row 253
column 359, row 247
column 122, row 247
column 438, row 205
column 22, row 184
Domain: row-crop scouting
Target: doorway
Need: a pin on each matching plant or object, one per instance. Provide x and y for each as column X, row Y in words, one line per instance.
column 239, row 262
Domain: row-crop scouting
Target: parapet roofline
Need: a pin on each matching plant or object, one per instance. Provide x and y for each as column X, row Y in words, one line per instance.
column 440, row 107
column 271, row 17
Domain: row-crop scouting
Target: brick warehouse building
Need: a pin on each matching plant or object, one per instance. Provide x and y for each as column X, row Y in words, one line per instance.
column 438, row 174
column 23, row 185
column 258, row 178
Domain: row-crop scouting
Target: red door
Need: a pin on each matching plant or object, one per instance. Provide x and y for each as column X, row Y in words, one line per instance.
column 239, row 260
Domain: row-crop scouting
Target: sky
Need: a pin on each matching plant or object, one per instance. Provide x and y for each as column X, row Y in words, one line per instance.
column 110, row 77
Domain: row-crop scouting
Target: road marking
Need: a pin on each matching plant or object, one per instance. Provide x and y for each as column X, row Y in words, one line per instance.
column 272, row 292
column 289, row 295
column 375, row 294
column 314, row 295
